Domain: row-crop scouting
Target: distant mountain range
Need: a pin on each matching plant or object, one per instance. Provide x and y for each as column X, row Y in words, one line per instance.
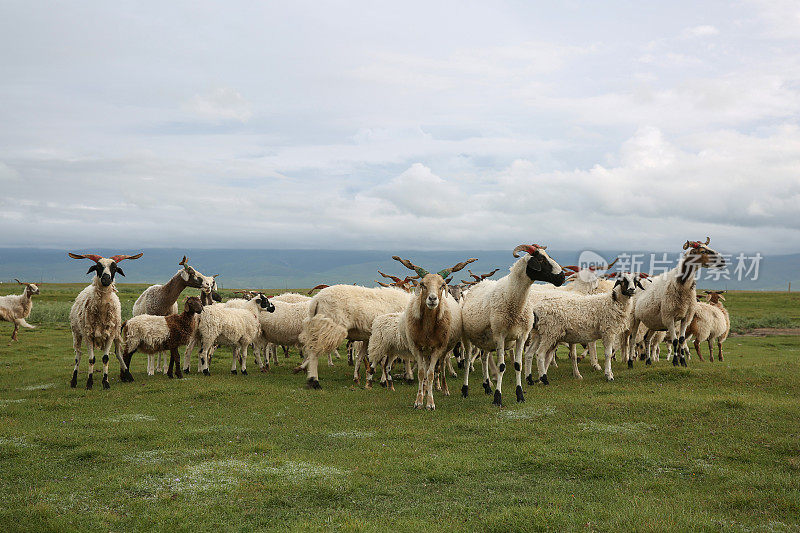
column 280, row 269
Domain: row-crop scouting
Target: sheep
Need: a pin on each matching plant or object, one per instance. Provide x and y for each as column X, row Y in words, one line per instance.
column 231, row 326
column 96, row 316
column 155, row 333
column 711, row 322
column 496, row 313
column 17, row 307
column 670, row 301
column 571, row 318
column 431, row 325
column 163, row 300
column 386, row 344
column 281, row 328
column 288, row 297
column 342, row 312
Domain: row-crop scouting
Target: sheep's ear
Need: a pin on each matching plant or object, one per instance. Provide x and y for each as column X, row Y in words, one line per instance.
column 120, row 272
column 93, row 268
column 638, row 283
column 618, row 282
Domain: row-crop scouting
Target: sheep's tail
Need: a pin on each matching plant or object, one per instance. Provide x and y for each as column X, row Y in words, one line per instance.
column 321, row 335
column 21, row 322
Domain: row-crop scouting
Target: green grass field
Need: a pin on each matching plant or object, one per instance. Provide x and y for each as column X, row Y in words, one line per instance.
column 715, row 446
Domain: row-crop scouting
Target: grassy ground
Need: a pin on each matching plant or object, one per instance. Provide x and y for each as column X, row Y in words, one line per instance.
column 712, row 447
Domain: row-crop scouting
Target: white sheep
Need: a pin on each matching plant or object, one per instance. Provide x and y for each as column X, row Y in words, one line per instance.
column 155, row 333
column 496, row 313
column 17, row 307
column 386, row 344
column 96, row 317
column 163, row 300
column 668, row 304
column 221, row 325
column 581, row 319
column 711, row 322
column 342, row 312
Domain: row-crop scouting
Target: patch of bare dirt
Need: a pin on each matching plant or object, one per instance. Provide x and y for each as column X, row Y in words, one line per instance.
column 763, row 332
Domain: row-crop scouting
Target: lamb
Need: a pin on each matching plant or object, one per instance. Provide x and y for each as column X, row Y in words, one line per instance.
column 711, row 322
column 669, row 303
column 497, row 312
column 230, row 326
column 281, row 328
column 96, row 316
column 288, row 297
column 431, row 325
column 386, row 344
column 342, row 312
column 154, row 333
column 578, row 319
column 17, row 307
column 163, row 300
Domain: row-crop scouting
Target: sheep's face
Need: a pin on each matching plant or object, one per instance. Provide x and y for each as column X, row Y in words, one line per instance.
column 699, row 253
column 264, row 303
column 541, row 267
column 431, row 289
column 193, row 303
column 627, row 284
column 105, row 269
column 31, row 289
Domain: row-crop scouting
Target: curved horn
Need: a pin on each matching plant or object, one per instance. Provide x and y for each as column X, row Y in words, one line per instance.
column 118, row 258
column 18, row 281
column 644, row 275
column 612, row 263
column 686, row 245
column 475, row 276
column 708, row 240
column 522, row 247
column 321, row 286
column 490, row 274
column 393, row 278
column 183, row 261
column 93, row 257
column 382, row 284
column 455, row 268
column 411, row 266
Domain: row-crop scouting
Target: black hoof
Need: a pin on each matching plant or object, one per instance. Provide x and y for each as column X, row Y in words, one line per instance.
column 498, row 399
column 233, row 372
column 460, row 364
column 314, row 384
column 520, row 396
column 106, row 384
column 185, row 370
column 648, row 362
column 89, row 382
column 486, row 387
column 169, row 375
column 544, row 380
column 206, row 372
column 683, row 361
column 675, row 360
column 464, row 390
column 529, row 379
column 244, row 372
column 630, row 363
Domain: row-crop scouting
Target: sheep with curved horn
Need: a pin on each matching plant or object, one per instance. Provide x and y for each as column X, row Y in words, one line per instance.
column 496, row 313
column 96, row 316
column 17, row 307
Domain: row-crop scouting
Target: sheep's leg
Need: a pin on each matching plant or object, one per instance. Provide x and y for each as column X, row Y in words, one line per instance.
column 593, row 356
column 174, row 363
column 529, row 355
column 202, row 359
column 234, row 358
column 518, row 353
column 388, row 373
column 187, row 355
column 710, row 350
column 630, row 351
column 434, row 360
column 684, row 324
column 501, row 367
column 106, row 351
column 449, row 359
column 672, row 330
column 14, row 334
column 76, row 344
column 541, row 359
column 609, row 351
column 573, row 355
column 330, row 358
column 421, row 386
column 90, row 349
column 467, row 368
column 696, row 343
column 719, row 348
column 257, row 356
column 360, row 356
column 243, row 362
column 285, row 352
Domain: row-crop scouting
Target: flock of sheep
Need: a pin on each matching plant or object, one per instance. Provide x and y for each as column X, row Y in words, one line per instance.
column 422, row 320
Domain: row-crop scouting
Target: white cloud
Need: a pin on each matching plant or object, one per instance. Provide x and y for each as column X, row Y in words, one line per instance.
column 704, row 30
column 222, row 103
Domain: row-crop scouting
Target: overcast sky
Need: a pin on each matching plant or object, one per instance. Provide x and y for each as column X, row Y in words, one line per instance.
column 429, row 125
